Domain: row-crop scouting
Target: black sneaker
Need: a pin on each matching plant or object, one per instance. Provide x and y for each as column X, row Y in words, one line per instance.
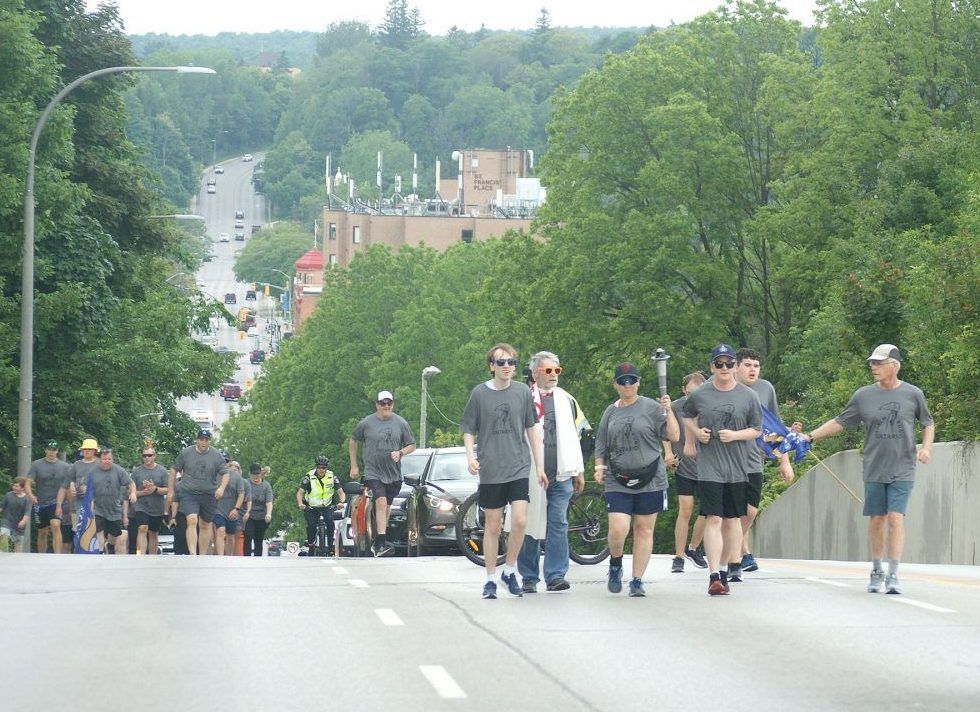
column 677, row 567
column 735, row 575
column 513, row 588
column 529, row 586
column 696, row 557
column 559, row 584
column 385, row 550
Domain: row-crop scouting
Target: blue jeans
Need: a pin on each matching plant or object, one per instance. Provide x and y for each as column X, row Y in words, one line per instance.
column 556, row 539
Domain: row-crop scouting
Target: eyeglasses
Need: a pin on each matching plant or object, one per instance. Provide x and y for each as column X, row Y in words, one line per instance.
column 149, row 454
column 386, row 401
column 505, row 361
column 627, row 380
column 723, row 364
column 548, row 370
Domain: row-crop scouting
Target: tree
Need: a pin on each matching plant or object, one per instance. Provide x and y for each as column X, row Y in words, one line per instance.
column 273, row 248
column 401, row 27
column 359, row 159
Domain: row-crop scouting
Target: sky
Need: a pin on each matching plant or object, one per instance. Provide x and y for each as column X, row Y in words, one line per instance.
column 209, row 17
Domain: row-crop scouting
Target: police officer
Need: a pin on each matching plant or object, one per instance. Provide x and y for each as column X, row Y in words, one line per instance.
column 315, row 498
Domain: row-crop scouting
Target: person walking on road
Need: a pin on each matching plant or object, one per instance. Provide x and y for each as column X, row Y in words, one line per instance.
column 499, row 418
column 387, row 437
column 205, row 477
column 151, row 490
column 109, row 482
column 888, row 410
column 315, row 499
column 15, row 510
column 227, row 518
column 78, row 473
column 629, row 462
column 686, row 484
column 261, row 512
column 50, row 476
column 722, row 418
column 561, row 422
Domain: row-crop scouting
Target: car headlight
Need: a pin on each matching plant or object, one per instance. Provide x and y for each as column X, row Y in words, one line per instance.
column 443, row 505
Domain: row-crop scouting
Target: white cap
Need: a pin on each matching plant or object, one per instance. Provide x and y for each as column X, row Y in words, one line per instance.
column 884, row 352
column 385, row 395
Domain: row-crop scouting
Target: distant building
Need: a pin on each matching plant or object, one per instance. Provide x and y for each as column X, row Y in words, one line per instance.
column 307, row 286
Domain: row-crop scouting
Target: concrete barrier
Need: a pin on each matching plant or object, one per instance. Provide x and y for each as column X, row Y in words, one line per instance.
column 817, row 519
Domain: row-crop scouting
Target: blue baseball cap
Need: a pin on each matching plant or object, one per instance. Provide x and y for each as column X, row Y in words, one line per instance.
column 204, row 433
column 722, row 350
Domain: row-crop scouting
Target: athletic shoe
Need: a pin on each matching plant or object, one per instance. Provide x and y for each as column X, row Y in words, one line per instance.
column 513, row 588
column 558, row 585
column 615, row 581
column 735, row 576
column 385, row 550
column 877, row 582
column 749, row 563
column 892, row 585
column 529, row 586
column 678, row 566
column 696, row 557
column 636, row 588
column 489, row 590
column 717, row 588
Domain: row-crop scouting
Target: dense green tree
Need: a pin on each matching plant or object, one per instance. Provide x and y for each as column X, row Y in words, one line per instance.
column 275, row 247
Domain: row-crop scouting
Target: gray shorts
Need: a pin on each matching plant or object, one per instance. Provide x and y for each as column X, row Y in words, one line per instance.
column 203, row 504
column 880, row 498
column 16, row 535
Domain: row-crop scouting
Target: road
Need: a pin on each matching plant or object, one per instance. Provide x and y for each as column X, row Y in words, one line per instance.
column 217, row 278
column 174, row 633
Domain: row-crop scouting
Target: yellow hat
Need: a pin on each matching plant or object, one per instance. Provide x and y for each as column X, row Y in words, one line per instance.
column 89, row 444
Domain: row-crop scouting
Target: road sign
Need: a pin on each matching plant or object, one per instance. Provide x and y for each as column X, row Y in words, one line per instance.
column 292, row 548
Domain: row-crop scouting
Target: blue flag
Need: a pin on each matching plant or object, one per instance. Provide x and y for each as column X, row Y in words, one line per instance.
column 86, row 541
column 777, row 438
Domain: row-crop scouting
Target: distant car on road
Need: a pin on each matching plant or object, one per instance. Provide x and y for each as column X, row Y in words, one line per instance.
column 222, row 350
column 207, row 258
column 239, row 223
column 430, row 511
column 203, row 418
column 231, row 298
column 239, row 236
column 223, row 237
column 239, row 214
column 253, row 331
column 231, row 390
column 249, row 295
column 219, row 169
column 212, row 180
column 247, row 157
column 212, row 189
column 256, row 356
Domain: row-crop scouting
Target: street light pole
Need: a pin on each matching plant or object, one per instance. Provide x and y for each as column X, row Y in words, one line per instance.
column 25, row 418
column 427, row 373
column 289, row 291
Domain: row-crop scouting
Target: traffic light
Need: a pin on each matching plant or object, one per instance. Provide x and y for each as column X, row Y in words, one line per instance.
column 267, row 290
column 241, row 335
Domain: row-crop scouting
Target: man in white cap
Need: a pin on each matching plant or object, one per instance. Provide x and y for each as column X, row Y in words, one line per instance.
column 888, row 409
column 387, row 438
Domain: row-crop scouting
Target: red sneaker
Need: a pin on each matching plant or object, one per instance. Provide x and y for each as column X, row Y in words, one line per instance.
column 717, row 588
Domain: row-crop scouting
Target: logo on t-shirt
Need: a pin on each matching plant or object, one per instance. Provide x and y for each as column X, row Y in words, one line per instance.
column 385, row 441
column 625, row 440
column 724, row 415
column 887, row 425
column 502, row 424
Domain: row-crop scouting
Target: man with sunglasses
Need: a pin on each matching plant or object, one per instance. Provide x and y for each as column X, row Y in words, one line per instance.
column 151, row 483
column 500, row 418
column 888, row 409
column 387, row 438
column 723, row 418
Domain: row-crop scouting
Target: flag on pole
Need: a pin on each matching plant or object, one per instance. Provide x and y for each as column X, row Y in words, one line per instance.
column 86, row 542
column 777, row 438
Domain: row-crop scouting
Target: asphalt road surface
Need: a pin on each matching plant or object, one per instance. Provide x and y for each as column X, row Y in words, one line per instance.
column 184, row 633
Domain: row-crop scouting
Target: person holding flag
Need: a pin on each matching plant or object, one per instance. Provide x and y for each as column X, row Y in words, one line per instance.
column 80, row 493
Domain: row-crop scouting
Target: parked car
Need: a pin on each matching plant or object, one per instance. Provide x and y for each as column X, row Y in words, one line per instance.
column 239, row 214
column 253, row 331
column 212, row 180
column 239, row 236
column 256, row 228
column 412, row 466
column 231, row 390
column 239, row 223
column 257, row 356
column 231, row 298
column 431, row 507
column 275, row 548
column 223, row 237
column 222, row 350
column 212, row 189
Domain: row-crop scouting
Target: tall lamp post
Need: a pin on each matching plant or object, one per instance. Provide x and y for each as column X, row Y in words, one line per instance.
column 289, row 290
column 25, row 419
column 427, row 373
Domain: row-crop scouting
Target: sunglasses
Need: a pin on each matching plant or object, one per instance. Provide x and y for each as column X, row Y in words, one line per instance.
column 723, row 364
column 149, row 454
column 505, row 361
column 628, row 380
column 386, row 401
column 548, row 370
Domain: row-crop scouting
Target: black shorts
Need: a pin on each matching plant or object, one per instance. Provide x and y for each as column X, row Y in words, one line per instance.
column 686, row 487
column 111, row 527
column 388, row 490
column 150, row 521
column 203, row 504
column 722, row 499
column 45, row 514
column 500, row 495
column 753, row 489
column 67, row 532
column 639, row 503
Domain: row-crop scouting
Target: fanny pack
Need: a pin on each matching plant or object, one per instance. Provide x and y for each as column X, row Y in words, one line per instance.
column 637, row 478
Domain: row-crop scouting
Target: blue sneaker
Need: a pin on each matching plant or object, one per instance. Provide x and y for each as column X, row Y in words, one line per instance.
column 749, row 563
column 489, row 590
column 513, row 588
column 615, row 581
column 636, row 588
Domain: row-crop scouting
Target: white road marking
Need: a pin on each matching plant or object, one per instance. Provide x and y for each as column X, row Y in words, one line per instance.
column 920, row 604
column 340, row 570
column 443, row 682
column 358, row 583
column 388, row 616
column 838, row 584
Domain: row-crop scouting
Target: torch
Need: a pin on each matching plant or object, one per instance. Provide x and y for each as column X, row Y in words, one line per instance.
column 660, row 359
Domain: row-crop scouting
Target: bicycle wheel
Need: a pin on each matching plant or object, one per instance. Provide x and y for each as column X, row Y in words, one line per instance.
column 469, row 532
column 588, row 529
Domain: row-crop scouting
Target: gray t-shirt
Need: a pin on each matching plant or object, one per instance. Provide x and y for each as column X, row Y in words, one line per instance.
column 630, row 438
column 889, row 429
column 14, row 509
column 201, row 471
column 499, row 420
column 247, row 489
column 767, row 397
column 736, row 409
column 230, row 496
column 107, row 486
column 381, row 438
column 151, row 504
column 48, row 477
column 261, row 496
column 549, row 436
column 685, row 467
column 78, row 473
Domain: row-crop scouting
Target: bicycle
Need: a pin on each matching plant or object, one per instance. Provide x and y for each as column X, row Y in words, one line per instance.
column 588, row 528
column 322, row 544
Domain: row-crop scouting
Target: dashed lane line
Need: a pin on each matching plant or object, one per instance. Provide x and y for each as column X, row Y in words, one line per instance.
column 388, row 617
column 442, row 681
column 921, row 604
column 838, row 584
column 358, row 583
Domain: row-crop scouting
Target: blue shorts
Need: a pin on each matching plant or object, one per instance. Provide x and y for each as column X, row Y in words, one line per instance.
column 641, row 503
column 880, row 498
column 229, row 525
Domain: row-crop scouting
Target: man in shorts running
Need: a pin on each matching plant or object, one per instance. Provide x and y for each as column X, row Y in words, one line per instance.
column 204, row 477
column 49, row 477
column 150, row 478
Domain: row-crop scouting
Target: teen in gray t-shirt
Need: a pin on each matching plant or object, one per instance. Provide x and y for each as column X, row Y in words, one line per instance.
column 232, row 490
column 78, row 473
column 381, row 438
column 766, row 393
column 629, row 438
column 107, row 486
column 48, row 478
column 499, row 419
column 685, row 467
column 736, row 409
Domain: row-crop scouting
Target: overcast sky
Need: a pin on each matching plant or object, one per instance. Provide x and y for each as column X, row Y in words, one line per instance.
column 210, row 17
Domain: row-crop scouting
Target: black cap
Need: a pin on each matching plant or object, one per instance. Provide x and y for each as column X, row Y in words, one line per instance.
column 204, row 433
column 255, row 468
column 625, row 369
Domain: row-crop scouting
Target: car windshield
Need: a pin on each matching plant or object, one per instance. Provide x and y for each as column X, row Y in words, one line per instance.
column 449, row 466
column 412, row 464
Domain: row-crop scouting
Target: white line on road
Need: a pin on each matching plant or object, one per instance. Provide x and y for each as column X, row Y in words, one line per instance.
column 443, row 682
column 838, row 584
column 388, row 616
column 358, row 583
column 920, row 604
column 340, row 570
